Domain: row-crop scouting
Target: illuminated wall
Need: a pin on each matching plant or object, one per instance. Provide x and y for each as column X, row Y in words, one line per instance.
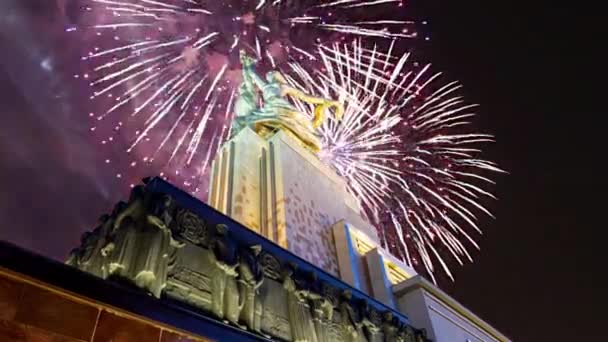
column 443, row 318
column 285, row 193
column 33, row 311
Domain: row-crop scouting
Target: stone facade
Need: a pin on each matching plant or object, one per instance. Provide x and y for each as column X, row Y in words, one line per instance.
column 441, row 316
column 282, row 191
column 179, row 255
column 34, row 311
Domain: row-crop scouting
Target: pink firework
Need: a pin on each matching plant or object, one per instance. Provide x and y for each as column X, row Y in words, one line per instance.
column 163, row 73
column 408, row 150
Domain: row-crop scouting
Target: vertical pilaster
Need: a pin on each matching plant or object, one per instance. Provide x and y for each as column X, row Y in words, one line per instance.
column 347, row 255
column 381, row 287
column 277, row 196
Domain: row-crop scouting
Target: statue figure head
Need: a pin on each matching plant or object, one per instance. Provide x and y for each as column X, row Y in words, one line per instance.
column 287, row 272
column 222, row 229
column 85, row 237
column 423, row 332
column 364, row 307
column 409, row 330
column 275, row 77
column 137, row 193
column 289, row 269
column 243, row 89
column 256, row 249
column 246, row 60
column 167, row 201
column 120, row 206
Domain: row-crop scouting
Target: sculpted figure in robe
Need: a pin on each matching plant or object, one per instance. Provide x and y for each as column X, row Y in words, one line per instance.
column 157, row 247
column 224, row 290
column 323, row 310
column 299, row 311
column 141, row 244
column 122, row 249
column 409, row 334
column 351, row 324
column 251, row 277
column 371, row 328
column 389, row 327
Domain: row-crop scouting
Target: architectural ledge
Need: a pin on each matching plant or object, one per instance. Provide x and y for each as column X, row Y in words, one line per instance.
column 419, row 283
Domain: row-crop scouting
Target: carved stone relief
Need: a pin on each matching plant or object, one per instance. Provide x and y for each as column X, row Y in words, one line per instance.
column 275, row 320
column 192, row 228
column 187, row 282
column 271, row 266
column 172, row 252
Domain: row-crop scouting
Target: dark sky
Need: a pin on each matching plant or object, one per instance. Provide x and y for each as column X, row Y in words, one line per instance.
column 533, row 68
column 53, row 181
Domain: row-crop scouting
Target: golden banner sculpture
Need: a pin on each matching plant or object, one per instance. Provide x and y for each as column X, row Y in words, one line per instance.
column 277, row 113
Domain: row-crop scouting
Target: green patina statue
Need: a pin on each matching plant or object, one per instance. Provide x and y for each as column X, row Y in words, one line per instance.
column 277, row 113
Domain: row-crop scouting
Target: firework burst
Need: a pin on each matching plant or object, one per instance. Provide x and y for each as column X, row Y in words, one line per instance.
column 165, row 70
column 165, row 74
column 407, row 149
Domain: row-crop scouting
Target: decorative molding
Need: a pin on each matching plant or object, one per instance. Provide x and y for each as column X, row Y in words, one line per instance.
column 271, row 265
column 192, row 228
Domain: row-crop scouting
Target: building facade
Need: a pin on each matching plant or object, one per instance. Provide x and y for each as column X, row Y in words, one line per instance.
column 285, row 257
column 283, row 191
column 182, row 252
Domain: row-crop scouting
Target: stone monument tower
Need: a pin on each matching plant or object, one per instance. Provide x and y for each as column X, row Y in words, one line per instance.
column 269, row 178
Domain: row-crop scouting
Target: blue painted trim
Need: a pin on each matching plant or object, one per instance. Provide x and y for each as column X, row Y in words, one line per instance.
column 352, row 255
column 387, row 282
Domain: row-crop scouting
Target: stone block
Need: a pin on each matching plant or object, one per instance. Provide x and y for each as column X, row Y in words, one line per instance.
column 10, row 293
column 49, row 311
column 168, row 336
column 114, row 328
column 16, row 332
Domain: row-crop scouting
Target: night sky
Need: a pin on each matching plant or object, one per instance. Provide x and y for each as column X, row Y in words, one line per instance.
column 532, row 67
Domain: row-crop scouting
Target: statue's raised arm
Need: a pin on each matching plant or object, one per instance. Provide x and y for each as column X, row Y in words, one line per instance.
column 246, row 102
column 249, row 74
column 321, row 104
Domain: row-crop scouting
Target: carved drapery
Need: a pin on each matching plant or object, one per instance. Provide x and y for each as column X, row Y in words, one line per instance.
column 172, row 252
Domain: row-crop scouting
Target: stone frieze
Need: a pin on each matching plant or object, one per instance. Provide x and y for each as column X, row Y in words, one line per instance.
column 171, row 252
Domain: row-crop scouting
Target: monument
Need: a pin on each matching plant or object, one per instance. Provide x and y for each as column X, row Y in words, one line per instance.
column 175, row 248
column 285, row 255
column 268, row 176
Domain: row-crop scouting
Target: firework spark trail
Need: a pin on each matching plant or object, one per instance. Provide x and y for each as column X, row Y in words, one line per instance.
column 404, row 153
column 153, row 56
column 403, row 145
